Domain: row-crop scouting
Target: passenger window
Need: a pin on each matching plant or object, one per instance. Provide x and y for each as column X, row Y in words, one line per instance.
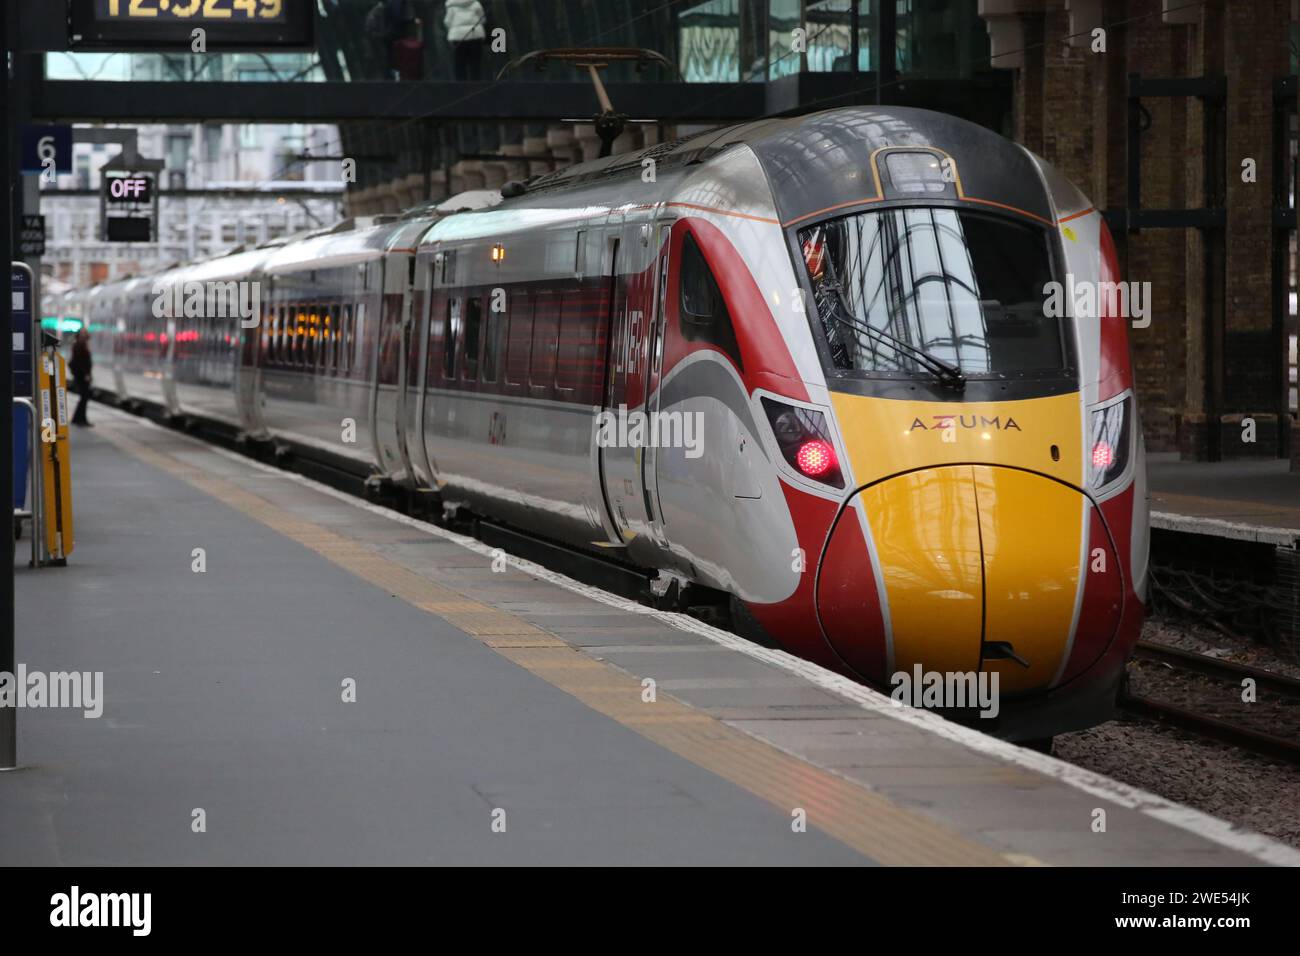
column 301, row 332
column 309, row 342
column 318, row 337
column 568, row 343
column 520, row 340
column 450, row 331
column 327, row 339
column 328, row 332
column 473, row 324
column 495, row 340
column 541, row 368
column 704, row 316
column 336, row 312
column 356, row 330
column 267, row 336
column 286, row 338
column 308, row 336
column 345, row 331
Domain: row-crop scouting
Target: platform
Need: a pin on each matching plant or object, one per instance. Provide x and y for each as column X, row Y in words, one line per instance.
column 477, row 692
column 1245, row 500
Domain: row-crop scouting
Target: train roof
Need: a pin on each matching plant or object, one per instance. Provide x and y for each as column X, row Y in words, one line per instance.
column 820, row 161
column 814, row 164
column 236, row 263
column 351, row 241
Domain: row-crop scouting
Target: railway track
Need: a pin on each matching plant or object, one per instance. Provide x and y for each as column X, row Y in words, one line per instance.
column 1251, row 738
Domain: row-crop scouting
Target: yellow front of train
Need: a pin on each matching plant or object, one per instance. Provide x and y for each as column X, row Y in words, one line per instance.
column 977, row 525
column 973, row 537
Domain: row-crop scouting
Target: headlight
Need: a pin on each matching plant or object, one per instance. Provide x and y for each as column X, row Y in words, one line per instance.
column 805, row 441
column 1108, row 450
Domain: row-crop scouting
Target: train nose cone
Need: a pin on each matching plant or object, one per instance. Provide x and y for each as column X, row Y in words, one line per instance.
column 960, row 568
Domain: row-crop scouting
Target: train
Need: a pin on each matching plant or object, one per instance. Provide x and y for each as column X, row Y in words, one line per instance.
column 802, row 363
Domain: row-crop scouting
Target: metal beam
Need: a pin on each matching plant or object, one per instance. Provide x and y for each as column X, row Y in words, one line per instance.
column 1121, row 218
column 1209, row 87
column 886, row 43
column 8, row 715
column 220, row 193
column 165, row 102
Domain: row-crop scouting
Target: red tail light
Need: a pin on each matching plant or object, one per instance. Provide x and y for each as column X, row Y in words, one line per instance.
column 1103, row 456
column 805, row 441
column 815, row 458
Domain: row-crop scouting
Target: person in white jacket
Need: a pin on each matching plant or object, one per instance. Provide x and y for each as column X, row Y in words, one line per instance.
column 466, row 31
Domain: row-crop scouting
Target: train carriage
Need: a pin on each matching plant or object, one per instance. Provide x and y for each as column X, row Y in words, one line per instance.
column 814, row 364
column 208, row 308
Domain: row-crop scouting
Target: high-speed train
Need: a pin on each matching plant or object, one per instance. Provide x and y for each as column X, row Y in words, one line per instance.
column 809, row 363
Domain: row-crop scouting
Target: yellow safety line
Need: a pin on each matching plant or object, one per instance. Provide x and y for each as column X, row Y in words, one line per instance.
column 857, row 817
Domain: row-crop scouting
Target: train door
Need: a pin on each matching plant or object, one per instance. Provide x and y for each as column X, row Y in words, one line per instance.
column 114, row 313
column 422, row 319
column 661, row 230
column 371, row 338
column 619, row 457
column 408, row 370
column 248, row 370
column 167, row 357
column 390, row 369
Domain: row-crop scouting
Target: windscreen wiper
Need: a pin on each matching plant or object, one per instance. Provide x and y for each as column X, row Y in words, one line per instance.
column 948, row 374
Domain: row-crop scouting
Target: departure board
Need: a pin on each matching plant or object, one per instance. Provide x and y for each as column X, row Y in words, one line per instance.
column 169, row 25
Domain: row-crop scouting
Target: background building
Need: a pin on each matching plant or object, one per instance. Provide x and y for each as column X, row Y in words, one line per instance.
column 1156, row 117
column 222, row 186
column 1178, row 119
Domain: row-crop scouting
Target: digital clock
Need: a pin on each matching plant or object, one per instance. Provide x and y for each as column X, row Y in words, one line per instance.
column 191, row 11
column 169, row 25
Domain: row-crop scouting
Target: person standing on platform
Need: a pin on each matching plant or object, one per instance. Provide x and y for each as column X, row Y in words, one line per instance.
column 80, row 369
column 466, row 33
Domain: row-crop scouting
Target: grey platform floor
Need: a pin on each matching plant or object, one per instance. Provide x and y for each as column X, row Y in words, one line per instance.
column 1226, row 498
column 479, row 697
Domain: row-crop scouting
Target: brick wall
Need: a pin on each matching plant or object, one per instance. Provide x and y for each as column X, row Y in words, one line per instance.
column 1071, row 107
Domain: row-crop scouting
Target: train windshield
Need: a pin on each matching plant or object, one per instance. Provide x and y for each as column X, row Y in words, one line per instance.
column 912, row 290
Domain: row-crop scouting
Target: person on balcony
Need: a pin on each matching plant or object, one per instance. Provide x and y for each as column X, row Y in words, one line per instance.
column 466, row 34
column 408, row 53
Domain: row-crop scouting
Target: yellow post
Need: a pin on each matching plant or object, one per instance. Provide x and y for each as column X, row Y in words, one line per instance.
column 56, row 459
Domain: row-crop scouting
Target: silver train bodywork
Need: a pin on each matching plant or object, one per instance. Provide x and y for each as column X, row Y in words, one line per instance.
column 479, row 357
